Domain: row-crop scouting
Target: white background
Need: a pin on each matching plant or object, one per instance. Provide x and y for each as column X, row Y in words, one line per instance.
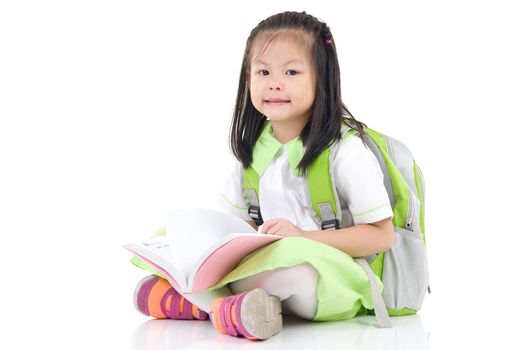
column 112, row 112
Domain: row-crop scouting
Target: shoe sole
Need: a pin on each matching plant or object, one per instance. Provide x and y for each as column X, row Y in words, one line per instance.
column 261, row 314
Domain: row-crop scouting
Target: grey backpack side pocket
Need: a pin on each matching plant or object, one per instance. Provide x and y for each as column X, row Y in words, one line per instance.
column 405, row 272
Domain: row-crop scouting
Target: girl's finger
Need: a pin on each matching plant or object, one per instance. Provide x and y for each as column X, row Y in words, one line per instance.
column 274, row 229
column 267, row 225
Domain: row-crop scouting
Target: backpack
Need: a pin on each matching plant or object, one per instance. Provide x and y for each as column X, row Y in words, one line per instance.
column 403, row 269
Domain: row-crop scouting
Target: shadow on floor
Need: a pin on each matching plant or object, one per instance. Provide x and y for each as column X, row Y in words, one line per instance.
column 407, row 333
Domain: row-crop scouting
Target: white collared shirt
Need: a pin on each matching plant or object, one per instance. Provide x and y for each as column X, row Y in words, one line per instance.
column 358, row 179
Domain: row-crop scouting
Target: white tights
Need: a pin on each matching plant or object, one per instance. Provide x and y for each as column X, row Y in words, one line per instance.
column 295, row 286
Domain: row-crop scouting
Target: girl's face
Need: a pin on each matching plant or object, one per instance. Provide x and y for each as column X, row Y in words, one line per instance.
column 282, row 82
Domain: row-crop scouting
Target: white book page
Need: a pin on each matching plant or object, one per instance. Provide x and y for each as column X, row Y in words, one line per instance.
column 160, row 245
column 157, row 250
column 192, row 231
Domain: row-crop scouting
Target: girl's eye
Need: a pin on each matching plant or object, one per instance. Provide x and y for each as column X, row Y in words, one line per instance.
column 265, row 72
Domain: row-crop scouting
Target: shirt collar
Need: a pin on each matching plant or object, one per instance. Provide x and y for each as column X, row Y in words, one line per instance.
column 267, row 147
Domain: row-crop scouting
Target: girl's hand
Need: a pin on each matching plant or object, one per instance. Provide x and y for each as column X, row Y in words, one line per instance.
column 281, row 227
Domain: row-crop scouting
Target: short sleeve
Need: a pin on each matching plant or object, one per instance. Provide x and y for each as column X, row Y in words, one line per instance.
column 359, row 181
column 232, row 198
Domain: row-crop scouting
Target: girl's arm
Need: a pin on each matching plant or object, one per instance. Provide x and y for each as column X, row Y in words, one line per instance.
column 359, row 240
column 356, row 241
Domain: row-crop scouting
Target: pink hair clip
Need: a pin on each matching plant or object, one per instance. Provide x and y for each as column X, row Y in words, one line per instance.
column 328, row 41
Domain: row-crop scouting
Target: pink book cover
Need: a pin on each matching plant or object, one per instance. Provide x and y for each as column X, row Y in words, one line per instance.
column 224, row 259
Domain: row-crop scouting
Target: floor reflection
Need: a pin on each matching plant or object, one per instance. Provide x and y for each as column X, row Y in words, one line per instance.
column 360, row 333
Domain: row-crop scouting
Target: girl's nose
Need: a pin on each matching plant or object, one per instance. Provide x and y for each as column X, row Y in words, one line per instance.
column 275, row 85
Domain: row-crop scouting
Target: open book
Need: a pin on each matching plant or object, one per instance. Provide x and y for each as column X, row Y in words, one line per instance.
column 199, row 248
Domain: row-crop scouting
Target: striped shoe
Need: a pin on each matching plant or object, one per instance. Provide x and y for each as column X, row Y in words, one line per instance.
column 254, row 315
column 154, row 296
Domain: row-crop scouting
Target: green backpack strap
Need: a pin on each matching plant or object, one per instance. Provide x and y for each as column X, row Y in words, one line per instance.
column 320, row 186
column 251, row 192
column 321, row 189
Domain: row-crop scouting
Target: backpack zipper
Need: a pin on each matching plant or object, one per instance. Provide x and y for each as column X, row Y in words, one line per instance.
column 410, row 211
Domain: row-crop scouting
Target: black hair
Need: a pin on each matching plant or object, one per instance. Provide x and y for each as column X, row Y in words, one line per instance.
column 328, row 111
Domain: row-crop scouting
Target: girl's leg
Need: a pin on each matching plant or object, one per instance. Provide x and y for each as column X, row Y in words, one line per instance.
column 155, row 297
column 255, row 311
column 251, row 312
column 295, row 286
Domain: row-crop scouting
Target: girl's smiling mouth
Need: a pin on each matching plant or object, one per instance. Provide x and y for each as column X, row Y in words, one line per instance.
column 276, row 102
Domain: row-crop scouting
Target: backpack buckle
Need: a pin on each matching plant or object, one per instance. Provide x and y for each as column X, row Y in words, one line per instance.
column 332, row 224
column 254, row 213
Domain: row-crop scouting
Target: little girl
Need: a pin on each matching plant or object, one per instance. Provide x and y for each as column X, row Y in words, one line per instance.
column 289, row 110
